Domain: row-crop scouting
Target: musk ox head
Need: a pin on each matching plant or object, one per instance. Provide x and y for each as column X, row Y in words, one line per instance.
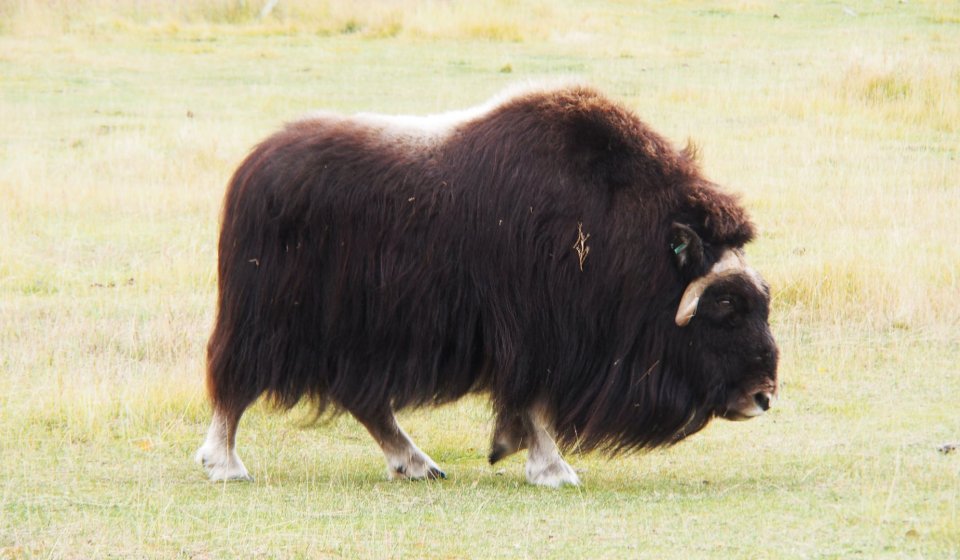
column 723, row 319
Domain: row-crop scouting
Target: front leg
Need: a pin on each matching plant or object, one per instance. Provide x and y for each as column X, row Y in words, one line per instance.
column 531, row 430
column 545, row 466
column 509, row 435
column 404, row 459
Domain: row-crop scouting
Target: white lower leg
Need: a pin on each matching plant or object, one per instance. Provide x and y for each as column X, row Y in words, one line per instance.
column 406, row 461
column 218, row 453
column 545, row 467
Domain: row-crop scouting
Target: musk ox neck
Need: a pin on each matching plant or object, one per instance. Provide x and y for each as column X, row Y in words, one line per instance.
column 634, row 403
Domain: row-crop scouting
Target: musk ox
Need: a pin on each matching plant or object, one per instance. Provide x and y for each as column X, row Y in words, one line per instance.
column 547, row 249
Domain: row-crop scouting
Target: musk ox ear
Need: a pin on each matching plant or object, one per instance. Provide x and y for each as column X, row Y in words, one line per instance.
column 687, row 249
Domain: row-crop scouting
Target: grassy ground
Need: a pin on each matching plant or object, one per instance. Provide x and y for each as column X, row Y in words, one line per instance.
column 122, row 120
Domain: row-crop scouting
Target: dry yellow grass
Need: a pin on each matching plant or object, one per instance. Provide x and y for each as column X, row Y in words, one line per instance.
column 122, row 120
column 498, row 20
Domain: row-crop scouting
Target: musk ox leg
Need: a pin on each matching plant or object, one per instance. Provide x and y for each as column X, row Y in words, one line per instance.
column 509, row 435
column 218, row 454
column 545, row 467
column 404, row 459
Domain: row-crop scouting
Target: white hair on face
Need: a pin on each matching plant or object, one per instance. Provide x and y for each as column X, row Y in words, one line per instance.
column 731, row 262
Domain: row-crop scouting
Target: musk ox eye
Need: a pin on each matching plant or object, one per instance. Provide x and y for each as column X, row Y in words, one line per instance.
column 725, row 311
column 726, row 305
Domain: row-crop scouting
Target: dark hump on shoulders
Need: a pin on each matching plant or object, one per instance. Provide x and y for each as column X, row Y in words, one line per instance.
column 578, row 130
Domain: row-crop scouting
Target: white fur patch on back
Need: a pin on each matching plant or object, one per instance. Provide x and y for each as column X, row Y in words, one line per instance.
column 424, row 126
column 437, row 126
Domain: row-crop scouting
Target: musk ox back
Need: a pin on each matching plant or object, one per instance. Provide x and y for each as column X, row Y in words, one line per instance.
column 548, row 249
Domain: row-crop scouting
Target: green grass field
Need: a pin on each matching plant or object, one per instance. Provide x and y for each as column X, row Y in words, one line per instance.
column 121, row 121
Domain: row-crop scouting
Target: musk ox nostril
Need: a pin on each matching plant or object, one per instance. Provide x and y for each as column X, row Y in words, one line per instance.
column 762, row 400
column 764, row 357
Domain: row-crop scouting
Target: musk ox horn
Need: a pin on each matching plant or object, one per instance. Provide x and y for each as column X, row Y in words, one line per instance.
column 732, row 261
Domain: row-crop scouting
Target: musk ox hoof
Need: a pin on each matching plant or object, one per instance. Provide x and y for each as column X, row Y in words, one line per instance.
column 554, row 474
column 414, row 467
column 497, row 452
column 222, row 466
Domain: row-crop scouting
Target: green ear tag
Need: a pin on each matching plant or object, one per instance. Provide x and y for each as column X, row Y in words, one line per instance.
column 679, row 248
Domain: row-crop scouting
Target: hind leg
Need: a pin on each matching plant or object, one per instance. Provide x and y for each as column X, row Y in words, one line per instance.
column 218, row 454
column 404, row 459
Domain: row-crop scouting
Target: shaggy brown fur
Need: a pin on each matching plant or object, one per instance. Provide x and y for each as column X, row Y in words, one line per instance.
column 368, row 269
